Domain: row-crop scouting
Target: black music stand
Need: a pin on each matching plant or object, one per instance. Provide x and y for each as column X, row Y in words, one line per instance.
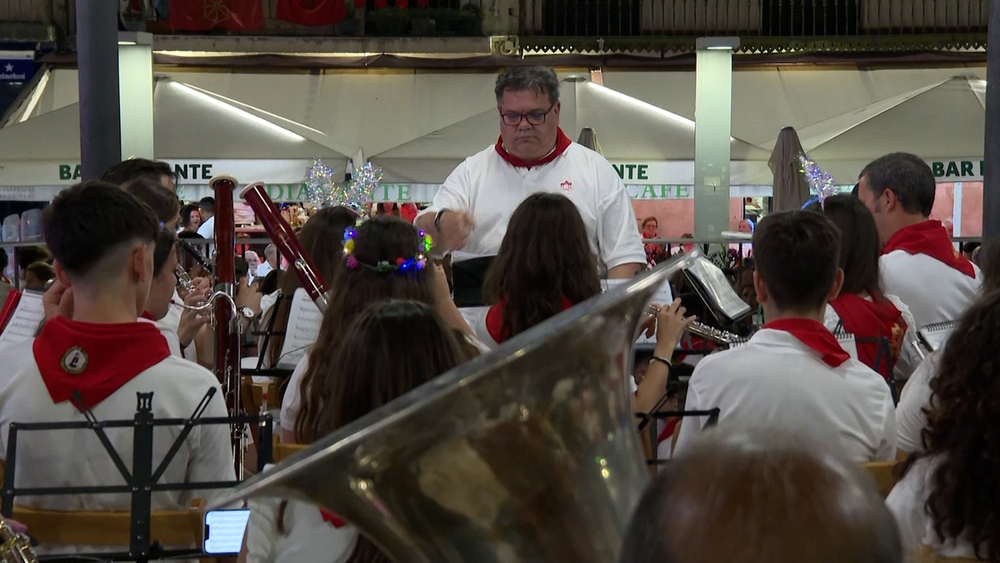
column 267, row 333
column 141, row 482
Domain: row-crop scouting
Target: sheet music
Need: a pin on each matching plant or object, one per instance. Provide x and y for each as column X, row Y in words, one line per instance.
column 717, row 290
column 25, row 321
column 304, row 320
column 934, row 337
column 847, row 342
column 664, row 296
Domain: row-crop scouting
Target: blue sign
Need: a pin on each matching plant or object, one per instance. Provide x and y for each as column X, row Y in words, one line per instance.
column 17, row 66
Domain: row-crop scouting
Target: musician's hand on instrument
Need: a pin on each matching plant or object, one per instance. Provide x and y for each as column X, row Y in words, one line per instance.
column 647, row 326
column 670, row 326
column 455, row 228
column 192, row 321
column 58, row 301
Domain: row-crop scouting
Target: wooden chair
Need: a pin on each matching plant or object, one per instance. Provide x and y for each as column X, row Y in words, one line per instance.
column 283, row 451
column 884, row 473
column 926, row 555
column 112, row 528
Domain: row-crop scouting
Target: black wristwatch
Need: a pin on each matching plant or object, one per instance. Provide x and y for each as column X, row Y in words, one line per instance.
column 437, row 220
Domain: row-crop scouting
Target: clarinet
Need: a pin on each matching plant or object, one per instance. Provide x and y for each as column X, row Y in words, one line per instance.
column 227, row 322
column 286, row 241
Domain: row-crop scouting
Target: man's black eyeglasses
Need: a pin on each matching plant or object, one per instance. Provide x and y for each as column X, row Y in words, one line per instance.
column 513, row 119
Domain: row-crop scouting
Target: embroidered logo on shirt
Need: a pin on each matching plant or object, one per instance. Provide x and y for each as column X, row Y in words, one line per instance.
column 566, row 186
column 74, row 361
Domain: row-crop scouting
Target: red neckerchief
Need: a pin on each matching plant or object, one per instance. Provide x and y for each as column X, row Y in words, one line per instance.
column 930, row 238
column 815, row 336
column 562, row 143
column 95, row 359
column 495, row 322
column 147, row 316
column 332, row 519
column 870, row 320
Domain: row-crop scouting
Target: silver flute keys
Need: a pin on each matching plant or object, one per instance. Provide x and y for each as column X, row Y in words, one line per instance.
column 703, row 330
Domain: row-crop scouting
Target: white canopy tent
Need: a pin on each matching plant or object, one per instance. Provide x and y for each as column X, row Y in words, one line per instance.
column 631, row 131
column 197, row 131
column 943, row 123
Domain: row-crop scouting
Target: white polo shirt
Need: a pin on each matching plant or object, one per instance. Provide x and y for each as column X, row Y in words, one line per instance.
column 934, row 291
column 916, row 396
column 76, row 457
column 489, row 189
column 776, row 381
column 908, row 357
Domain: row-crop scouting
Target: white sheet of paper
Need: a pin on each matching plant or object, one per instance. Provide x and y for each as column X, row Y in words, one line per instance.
column 303, row 328
column 664, row 296
column 24, row 322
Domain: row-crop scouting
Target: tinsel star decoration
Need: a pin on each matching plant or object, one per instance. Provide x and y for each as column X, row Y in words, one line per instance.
column 820, row 181
column 325, row 191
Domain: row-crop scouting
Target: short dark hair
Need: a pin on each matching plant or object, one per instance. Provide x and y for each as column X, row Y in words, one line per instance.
column 860, row 248
column 186, row 212
column 86, row 222
column 162, row 201
column 539, row 79
column 27, row 255
column 796, row 254
column 648, row 219
column 908, row 176
column 207, row 203
column 135, row 168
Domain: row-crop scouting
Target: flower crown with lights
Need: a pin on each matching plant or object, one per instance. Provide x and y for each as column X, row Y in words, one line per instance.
column 401, row 264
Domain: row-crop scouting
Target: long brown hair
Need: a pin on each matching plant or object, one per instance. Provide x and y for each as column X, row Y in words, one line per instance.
column 392, row 348
column 860, row 248
column 322, row 238
column 380, row 239
column 963, row 432
column 545, row 257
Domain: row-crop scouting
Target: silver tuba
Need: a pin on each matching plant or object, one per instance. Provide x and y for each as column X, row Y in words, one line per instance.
column 528, row 453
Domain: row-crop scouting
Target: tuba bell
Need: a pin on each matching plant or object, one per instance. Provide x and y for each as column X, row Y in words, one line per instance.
column 526, row 454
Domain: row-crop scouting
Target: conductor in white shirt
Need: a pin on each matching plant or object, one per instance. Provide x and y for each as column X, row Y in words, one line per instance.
column 919, row 263
column 471, row 211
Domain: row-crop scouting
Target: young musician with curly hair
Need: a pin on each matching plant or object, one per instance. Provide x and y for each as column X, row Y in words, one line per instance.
column 385, row 258
column 103, row 242
column 392, row 348
column 915, row 400
column 863, row 308
column 949, row 497
column 545, row 266
column 793, row 374
column 322, row 238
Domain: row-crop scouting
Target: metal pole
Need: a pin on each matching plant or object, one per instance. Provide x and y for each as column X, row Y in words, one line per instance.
column 991, row 149
column 97, row 59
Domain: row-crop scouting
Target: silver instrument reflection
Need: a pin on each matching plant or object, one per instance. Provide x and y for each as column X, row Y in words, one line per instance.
column 713, row 334
column 529, row 453
column 183, row 279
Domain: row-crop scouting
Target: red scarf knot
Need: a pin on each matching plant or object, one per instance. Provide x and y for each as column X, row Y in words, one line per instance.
column 495, row 321
column 562, row 143
column 815, row 336
column 930, row 238
column 332, row 519
column 95, row 359
column 870, row 320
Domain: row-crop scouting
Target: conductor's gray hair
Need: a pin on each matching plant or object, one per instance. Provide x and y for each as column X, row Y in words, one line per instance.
column 539, row 79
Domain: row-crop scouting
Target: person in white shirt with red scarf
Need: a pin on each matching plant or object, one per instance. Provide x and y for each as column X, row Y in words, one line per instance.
column 103, row 241
column 471, row 211
column 793, row 374
column 920, row 264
